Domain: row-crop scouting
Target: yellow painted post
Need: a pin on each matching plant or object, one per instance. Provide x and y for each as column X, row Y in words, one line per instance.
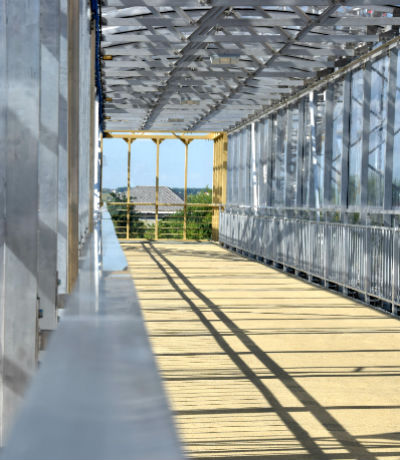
column 73, row 142
column 158, row 141
column 219, row 179
column 185, row 192
column 215, row 191
column 128, row 190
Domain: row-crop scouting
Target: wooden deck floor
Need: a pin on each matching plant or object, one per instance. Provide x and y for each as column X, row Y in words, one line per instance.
column 259, row 365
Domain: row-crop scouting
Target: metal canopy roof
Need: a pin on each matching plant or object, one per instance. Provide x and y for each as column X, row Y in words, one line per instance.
column 210, row 64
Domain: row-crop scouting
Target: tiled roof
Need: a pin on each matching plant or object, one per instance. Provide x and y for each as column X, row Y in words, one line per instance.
column 147, row 194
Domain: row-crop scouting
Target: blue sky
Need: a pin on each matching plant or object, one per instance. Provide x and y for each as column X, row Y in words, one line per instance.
column 143, row 163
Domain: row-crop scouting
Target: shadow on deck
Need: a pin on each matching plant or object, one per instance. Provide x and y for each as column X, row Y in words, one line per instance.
column 259, row 365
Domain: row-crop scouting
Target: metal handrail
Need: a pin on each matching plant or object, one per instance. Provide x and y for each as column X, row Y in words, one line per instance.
column 357, row 257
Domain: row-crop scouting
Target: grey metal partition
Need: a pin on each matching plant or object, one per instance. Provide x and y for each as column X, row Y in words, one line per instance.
column 19, row 164
column 48, row 163
column 35, row 154
column 85, row 107
column 356, row 257
column 327, row 182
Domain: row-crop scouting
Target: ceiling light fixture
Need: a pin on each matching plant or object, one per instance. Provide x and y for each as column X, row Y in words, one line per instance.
column 224, row 59
column 176, row 120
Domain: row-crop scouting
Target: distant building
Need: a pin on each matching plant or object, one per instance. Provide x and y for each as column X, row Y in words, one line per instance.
column 147, row 194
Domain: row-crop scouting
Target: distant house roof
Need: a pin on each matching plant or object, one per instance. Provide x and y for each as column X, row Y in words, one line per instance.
column 147, row 194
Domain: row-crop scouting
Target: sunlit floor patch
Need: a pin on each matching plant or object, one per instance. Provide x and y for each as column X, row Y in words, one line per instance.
column 260, row 365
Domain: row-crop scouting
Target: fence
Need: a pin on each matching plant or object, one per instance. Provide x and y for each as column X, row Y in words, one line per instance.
column 357, row 260
column 192, row 221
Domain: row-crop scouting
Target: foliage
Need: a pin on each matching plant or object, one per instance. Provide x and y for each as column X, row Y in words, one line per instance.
column 138, row 228
column 198, row 219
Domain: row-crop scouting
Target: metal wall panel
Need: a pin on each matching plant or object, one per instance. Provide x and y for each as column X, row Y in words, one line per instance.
column 229, row 177
column 248, row 187
column 48, row 163
column 260, row 164
column 362, row 258
column 333, row 151
column 84, row 118
column 62, row 234
column 3, row 115
column 21, row 168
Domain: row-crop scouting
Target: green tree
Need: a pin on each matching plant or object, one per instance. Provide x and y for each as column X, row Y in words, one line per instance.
column 198, row 219
column 137, row 228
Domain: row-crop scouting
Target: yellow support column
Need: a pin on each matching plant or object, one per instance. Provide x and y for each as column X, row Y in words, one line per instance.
column 214, row 223
column 219, row 179
column 158, row 142
column 185, row 191
column 128, row 190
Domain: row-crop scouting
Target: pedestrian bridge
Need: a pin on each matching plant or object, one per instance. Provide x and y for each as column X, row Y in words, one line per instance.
column 260, row 365
column 278, row 339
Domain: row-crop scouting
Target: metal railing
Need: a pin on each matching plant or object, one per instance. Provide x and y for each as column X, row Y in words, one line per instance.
column 152, row 221
column 358, row 260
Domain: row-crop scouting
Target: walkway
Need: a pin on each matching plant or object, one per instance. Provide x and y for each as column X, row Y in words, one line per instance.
column 259, row 365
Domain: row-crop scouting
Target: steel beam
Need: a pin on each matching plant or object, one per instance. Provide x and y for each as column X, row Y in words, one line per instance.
column 321, row 18
column 269, row 156
column 365, row 135
column 328, row 146
column 300, row 157
column 344, row 170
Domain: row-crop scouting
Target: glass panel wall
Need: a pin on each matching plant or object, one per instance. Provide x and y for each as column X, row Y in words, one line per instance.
column 377, row 135
column 396, row 149
column 318, row 149
column 337, row 143
column 240, row 168
column 279, row 195
column 356, row 131
column 307, row 177
column 291, row 155
column 262, row 187
column 229, row 169
column 273, row 153
column 248, row 167
column 323, row 137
